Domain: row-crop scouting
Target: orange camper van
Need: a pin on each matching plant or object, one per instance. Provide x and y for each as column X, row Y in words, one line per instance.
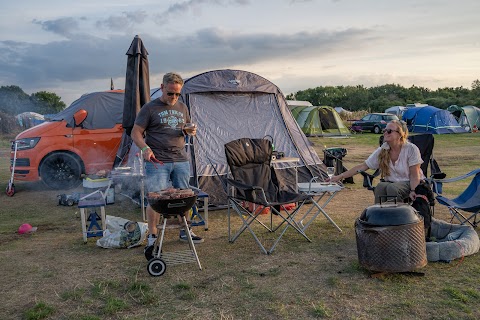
column 81, row 139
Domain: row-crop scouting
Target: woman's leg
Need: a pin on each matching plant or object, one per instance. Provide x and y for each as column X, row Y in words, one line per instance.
column 385, row 191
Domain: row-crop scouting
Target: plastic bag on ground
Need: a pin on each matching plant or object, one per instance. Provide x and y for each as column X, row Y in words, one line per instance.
column 122, row 233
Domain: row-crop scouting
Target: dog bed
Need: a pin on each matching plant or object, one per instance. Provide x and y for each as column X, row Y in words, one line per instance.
column 453, row 241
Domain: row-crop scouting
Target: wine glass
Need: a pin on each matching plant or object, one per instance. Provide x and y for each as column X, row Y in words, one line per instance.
column 330, row 172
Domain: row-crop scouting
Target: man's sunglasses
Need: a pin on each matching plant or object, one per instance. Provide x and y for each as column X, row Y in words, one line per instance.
column 388, row 131
column 173, row 94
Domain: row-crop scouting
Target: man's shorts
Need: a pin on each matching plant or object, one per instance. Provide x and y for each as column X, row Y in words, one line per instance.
column 170, row 174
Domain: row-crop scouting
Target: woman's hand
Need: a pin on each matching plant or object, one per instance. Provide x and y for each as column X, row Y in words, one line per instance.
column 412, row 195
column 336, row 178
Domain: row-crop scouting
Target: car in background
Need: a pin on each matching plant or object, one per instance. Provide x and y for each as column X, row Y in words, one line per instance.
column 374, row 122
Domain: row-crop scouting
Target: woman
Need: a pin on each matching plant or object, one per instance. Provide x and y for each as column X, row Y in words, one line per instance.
column 399, row 162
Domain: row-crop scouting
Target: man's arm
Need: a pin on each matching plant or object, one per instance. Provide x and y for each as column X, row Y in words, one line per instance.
column 137, row 137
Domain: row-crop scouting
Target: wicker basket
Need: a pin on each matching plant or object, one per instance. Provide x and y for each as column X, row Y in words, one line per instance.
column 391, row 248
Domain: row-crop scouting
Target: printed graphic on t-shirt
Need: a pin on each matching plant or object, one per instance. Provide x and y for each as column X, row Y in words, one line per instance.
column 171, row 117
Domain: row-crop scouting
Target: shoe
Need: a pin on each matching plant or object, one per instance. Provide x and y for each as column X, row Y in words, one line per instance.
column 148, row 250
column 195, row 238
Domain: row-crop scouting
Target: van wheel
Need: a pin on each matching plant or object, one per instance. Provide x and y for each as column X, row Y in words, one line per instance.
column 376, row 130
column 61, row 170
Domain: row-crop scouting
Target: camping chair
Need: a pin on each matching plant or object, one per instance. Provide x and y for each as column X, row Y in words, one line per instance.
column 468, row 201
column 254, row 181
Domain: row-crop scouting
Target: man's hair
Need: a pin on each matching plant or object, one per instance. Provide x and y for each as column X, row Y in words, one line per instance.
column 172, row 77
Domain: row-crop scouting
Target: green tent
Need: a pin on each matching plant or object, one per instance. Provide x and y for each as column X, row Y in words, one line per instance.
column 467, row 116
column 319, row 121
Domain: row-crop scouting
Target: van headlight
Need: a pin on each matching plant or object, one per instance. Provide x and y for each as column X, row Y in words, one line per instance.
column 24, row 144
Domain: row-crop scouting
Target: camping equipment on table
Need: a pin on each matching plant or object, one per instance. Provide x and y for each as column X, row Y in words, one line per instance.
column 390, row 238
column 104, row 186
column 169, row 206
column 11, row 187
column 132, row 177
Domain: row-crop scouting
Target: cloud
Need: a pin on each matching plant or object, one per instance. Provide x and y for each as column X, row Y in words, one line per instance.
column 123, row 21
column 91, row 58
column 216, row 47
column 63, row 26
column 194, row 6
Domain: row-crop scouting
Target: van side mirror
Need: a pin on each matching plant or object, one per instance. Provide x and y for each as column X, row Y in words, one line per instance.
column 80, row 116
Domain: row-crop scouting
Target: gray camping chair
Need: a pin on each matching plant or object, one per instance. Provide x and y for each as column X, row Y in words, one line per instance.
column 254, row 181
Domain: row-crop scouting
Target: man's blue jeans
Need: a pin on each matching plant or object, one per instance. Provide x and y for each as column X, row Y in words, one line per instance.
column 170, row 174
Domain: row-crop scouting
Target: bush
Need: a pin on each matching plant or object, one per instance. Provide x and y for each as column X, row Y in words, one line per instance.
column 8, row 124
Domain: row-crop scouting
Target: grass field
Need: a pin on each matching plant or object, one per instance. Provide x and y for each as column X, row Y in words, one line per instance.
column 51, row 274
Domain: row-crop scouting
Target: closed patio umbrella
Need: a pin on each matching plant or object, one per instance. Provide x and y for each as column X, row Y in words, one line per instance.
column 137, row 83
column 137, row 92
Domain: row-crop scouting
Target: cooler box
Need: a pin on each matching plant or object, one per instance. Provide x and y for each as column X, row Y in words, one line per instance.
column 91, row 185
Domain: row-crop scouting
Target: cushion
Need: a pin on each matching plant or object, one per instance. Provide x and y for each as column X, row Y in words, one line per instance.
column 453, row 241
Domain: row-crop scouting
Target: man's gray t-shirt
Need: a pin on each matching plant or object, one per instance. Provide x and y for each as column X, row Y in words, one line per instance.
column 163, row 129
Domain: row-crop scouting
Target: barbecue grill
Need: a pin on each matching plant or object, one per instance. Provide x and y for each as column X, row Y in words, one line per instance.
column 170, row 208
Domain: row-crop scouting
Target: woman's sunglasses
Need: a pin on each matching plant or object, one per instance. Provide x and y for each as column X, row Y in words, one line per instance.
column 173, row 94
column 388, row 131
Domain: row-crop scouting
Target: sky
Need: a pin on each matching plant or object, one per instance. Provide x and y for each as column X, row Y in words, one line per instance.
column 75, row 47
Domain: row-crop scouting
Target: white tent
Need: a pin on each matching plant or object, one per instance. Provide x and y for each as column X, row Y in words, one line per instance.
column 396, row 110
column 299, row 103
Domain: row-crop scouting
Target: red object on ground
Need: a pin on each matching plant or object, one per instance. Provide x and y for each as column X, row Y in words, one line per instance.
column 26, row 228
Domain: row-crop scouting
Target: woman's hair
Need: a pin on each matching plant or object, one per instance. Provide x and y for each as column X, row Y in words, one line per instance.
column 384, row 156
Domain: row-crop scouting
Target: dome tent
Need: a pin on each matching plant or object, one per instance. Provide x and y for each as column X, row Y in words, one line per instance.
column 467, row 116
column 319, row 121
column 231, row 104
column 431, row 120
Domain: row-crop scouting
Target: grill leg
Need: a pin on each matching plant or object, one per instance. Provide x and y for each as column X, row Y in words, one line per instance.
column 190, row 241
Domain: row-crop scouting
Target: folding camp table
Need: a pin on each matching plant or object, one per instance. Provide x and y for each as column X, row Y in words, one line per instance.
column 318, row 190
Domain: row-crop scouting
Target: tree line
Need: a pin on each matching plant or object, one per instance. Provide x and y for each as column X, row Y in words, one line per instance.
column 13, row 101
column 377, row 99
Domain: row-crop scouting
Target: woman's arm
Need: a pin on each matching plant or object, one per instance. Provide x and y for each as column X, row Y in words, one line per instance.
column 414, row 174
column 350, row 173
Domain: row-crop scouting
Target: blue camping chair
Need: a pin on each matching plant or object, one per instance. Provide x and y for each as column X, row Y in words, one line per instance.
column 468, row 201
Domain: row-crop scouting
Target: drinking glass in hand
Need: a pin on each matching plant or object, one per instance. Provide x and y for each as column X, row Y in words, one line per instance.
column 330, row 172
column 189, row 127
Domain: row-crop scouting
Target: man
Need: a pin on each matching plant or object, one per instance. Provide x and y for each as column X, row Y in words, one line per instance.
column 163, row 121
